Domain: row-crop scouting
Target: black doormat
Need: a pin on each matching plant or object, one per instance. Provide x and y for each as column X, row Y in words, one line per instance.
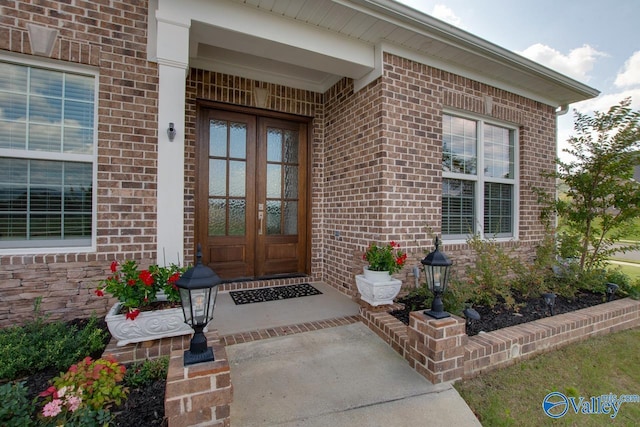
column 273, row 294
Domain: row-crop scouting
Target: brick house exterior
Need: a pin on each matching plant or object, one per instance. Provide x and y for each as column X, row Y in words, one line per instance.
column 374, row 128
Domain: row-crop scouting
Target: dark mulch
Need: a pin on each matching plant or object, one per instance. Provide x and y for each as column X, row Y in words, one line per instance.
column 500, row 316
column 144, row 406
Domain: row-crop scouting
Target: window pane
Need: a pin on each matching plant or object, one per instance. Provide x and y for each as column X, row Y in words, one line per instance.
column 53, row 111
column 238, row 140
column 217, row 217
column 498, row 202
column 274, row 217
column 78, row 87
column 217, row 138
column 217, row 178
column 274, row 181
column 76, row 114
column 46, row 82
column 274, row 145
column 237, row 179
column 290, row 146
column 291, row 182
column 290, row 218
column 498, row 152
column 458, row 210
column 237, row 215
column 45, row 110
column 459, row 142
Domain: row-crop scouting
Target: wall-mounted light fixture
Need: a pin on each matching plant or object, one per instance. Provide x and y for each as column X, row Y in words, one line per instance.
column 171, row 131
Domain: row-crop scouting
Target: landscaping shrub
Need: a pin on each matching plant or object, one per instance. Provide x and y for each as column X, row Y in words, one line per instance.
column 141, row 374
column 39, row 345
column 489, row 280
column 14, row 405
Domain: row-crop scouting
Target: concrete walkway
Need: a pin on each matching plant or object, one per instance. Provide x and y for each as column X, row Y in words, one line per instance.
column 338, row 376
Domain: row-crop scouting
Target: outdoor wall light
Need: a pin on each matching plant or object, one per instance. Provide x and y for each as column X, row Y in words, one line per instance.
column 550, row 301
column 171, row 131
column 436, row 268
column 470, row 314
column 611, row 290
column 198, row 291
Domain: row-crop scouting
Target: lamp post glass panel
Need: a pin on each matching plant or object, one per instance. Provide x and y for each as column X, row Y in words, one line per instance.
column 436, row 269
column 198, row 291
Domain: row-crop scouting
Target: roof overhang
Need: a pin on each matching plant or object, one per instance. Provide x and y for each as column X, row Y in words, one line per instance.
column 312, row 44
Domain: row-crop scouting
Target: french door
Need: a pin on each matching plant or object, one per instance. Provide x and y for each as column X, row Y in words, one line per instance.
column 251, row 202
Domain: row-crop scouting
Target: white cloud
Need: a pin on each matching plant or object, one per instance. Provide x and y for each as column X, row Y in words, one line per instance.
column 630, row 75
column 445, row 14
column 577, row 64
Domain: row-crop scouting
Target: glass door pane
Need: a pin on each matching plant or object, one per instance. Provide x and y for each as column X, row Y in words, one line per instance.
column 227, row 178
column 282, row 181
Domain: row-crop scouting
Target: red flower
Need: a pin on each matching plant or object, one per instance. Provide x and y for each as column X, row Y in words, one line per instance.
column 114, row 266
column 99, row 292
column 146, row 277
column 395, row 245
column 131, row 282
column 132, row 314
column 174, row 278
column 51, row 390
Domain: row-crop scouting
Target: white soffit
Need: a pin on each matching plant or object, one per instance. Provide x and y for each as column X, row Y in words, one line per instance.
column 310, row 44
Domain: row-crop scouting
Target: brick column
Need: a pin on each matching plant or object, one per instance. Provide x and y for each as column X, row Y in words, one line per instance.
column 199, row 394
column 436, row 347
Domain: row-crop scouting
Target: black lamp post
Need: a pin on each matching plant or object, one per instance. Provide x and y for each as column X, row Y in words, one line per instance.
column 198, row 291
column 436, row 267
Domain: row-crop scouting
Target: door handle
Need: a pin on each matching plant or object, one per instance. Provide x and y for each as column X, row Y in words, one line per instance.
column 260, row 219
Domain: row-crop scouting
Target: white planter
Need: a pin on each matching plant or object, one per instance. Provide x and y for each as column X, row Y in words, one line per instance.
column 149, row 325
column 377, row 292
column 376, row 276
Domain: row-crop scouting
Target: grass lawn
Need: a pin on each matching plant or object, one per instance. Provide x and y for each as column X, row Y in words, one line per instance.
column 513, row 396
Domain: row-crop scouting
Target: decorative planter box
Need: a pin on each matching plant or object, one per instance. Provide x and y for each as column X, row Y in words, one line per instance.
column 149, row 325
column 377, row 287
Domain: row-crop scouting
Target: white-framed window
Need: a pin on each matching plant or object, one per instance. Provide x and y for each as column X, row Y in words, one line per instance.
column 479, row 178
column 47, row 156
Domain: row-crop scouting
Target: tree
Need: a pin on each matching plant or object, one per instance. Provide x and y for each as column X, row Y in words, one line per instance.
column 602, row 199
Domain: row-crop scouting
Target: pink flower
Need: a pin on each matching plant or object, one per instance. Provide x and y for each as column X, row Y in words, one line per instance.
column 73, row 403
column 52, row 408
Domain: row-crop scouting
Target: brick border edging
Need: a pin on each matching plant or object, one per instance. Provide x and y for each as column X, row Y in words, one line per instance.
column 492, row 350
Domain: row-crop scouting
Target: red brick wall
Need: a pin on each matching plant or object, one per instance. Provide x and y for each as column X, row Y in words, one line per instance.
column 383, row 163
column 111, row 36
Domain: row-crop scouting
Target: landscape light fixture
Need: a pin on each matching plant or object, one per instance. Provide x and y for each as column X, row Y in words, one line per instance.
column 611, row 290
column 198, row 288
column 436, row 268
column 470, row 314
column 550, row 301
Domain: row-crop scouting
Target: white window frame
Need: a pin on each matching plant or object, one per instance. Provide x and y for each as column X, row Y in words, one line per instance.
column 479, row 179
column 40, row 246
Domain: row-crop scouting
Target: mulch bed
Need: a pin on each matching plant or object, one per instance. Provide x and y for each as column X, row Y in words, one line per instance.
column 500, row 316
column 144, row 406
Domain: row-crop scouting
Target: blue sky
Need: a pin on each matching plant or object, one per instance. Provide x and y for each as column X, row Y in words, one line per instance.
column 593, row 41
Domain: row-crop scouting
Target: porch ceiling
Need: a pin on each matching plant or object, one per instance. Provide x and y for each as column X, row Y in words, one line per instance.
column 311, row 44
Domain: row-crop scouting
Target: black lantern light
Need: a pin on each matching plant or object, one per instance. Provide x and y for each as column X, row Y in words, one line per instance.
column 198, row 291
column 550, row 301
column 436, row 267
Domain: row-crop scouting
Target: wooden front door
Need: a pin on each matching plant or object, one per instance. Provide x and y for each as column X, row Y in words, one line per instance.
column 251, row 204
